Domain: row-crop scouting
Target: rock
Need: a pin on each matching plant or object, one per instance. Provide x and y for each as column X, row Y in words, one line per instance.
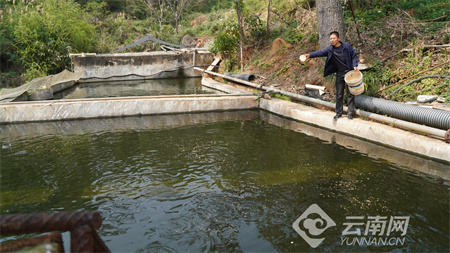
column 267, row 96
column 189, row 41
column 362, row 66
column 441, row 99
column 441, row 107
column 426, row 98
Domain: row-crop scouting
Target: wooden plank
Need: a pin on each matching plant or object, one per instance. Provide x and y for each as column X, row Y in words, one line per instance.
column 213, row 64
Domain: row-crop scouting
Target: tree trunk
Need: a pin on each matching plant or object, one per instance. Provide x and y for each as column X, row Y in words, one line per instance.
column 239, row 7
column 268, row 19
column 241, row 31
column 160, row 19
column 330, row 17
column 177, row 7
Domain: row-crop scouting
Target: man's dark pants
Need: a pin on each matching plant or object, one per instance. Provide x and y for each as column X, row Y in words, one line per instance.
column 340, row 86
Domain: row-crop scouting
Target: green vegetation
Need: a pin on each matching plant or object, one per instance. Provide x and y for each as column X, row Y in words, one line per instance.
column 401, row 27
column 415, row 63
column 38, row 35
column 227, row 40
column 428, row 9
column 279, row 96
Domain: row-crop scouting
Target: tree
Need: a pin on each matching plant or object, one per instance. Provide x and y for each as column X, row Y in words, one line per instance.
column 239, row 6
column 227, row 40
column 268, row 19
column 330, row 17
column 175, row 6
column 154, row 5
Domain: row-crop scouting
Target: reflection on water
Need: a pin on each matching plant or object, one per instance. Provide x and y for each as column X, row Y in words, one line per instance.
column 230, row 185
column 151, row 87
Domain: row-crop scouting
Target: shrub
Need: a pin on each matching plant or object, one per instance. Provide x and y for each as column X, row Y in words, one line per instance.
column 227, row 39
column 45, row 33
column 254, row 26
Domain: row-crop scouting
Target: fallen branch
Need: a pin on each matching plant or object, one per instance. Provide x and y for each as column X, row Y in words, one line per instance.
column 434, row 19
column 260, row 76
column 390, row 56
column 387, row 58
column 416, row 80
column 392, row 85
column 419, row 91
column 435, row 46
column 412, row 19
column 409, row 50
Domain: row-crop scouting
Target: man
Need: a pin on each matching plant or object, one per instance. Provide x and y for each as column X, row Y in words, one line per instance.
column 341, row 58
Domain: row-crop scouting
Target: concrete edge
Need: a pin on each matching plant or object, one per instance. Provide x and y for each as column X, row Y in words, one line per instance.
column 153, row 53
column 123, row 98
column 14, row 132
column 39, row 111
column 368, row 130
column 103, row 108
column 210, row 83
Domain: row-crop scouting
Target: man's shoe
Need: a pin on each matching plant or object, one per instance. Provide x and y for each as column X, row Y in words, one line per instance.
column 337, row 116
column 349, row 116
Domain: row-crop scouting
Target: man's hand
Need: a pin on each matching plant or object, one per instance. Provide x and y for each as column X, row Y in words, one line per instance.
column 355, row 68
column 304, row 57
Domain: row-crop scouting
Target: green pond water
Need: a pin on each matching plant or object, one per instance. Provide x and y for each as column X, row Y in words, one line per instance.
column 151, row 87
column 220, row 182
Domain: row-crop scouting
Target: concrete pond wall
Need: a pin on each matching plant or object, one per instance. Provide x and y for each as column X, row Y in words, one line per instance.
column 408, row 161
column 91, row 67
column 377, row 133
column 135, row 66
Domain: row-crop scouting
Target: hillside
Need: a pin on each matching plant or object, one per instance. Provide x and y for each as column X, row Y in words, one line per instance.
column 397, row 46
column 396, row 39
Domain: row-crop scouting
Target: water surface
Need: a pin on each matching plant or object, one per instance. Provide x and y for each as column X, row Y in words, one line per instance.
column 230, row 183
column 150, row 87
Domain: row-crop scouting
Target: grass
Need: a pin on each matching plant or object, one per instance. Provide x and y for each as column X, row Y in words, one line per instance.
column 279, row 96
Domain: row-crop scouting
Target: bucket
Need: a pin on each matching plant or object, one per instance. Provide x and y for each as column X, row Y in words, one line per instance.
column 354, row 80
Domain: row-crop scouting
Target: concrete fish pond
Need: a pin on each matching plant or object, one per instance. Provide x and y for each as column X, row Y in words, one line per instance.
column 197, row 165
column 222, row 181
column 151, row 87
column 104, row 68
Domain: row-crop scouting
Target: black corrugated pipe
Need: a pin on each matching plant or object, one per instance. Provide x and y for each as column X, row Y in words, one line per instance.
column 245, row 77
column 427, row 116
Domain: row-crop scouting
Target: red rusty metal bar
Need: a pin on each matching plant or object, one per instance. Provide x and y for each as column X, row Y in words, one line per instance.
column 47, row 222
column 99, row 244
column 81, row 239
column 52, row 238
column 82, row 226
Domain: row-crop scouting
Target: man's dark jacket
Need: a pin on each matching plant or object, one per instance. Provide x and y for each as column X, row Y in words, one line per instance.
column 350, row 58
